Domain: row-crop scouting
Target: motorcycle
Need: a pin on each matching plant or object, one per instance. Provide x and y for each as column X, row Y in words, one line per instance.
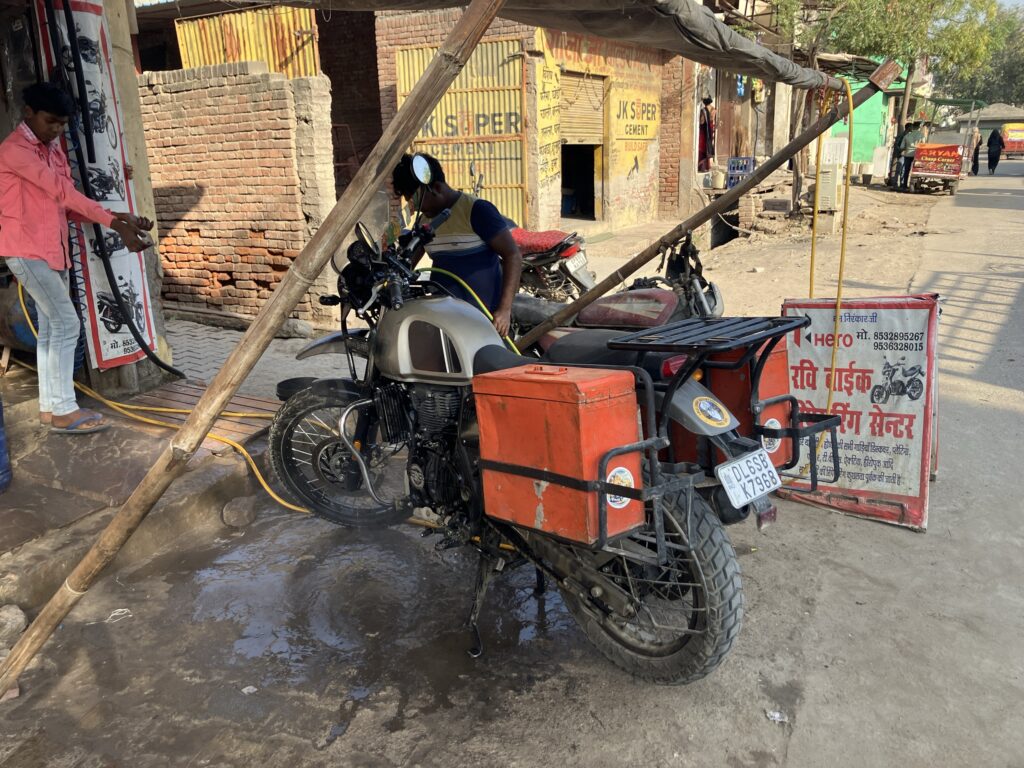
column 910, row 383
column 107, row 185
column 100, row 120
column 109, row 313
column 648, row 302
column 407, row 436
column 555, row 266
column 112, row 242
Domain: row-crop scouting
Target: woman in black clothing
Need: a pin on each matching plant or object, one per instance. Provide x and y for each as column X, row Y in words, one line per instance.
column 976, row 159
column 996, row 144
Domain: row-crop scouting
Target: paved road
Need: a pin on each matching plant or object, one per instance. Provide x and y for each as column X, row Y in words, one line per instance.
column 881, row 647
column 200, row 351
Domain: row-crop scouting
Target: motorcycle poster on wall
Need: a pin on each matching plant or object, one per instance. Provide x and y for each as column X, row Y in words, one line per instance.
column 886, row 393
column 110, row 341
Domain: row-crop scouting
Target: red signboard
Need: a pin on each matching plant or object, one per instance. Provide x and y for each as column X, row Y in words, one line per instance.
column 884, row 389
column 944, row 160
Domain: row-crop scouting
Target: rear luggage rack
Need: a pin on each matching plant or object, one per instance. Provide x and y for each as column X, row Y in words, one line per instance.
column 699, row 338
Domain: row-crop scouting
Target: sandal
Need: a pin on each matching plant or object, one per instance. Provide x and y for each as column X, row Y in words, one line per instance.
column 89, row 422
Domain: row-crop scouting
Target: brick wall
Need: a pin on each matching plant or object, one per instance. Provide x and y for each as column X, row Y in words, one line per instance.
column 671, row 133
column 348, row 56
column 225, row 163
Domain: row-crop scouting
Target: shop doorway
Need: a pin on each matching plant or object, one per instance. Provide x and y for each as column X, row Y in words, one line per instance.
column 583, row 98
column 579, row 188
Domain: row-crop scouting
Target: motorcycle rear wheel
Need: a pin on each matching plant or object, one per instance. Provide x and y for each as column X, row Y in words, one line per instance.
column 314, row 464
column 915, row 388
column 689, row 611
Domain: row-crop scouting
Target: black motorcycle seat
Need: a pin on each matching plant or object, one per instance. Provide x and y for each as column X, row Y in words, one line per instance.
column 590, row 347
column 104, row 296
column 496, row 358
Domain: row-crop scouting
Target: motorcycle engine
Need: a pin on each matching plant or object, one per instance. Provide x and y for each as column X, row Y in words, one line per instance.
column 434, row 479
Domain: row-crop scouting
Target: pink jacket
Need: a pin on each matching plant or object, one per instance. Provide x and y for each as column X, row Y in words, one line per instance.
column 37, row 196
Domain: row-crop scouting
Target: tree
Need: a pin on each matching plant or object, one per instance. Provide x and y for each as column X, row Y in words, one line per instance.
column 951, row 34
column 1001, row 76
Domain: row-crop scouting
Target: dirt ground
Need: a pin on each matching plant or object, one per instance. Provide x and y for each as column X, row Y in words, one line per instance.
column 756, row 273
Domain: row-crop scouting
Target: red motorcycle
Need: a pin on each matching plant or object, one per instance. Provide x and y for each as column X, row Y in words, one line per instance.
column 555, row 266
column 648, row 302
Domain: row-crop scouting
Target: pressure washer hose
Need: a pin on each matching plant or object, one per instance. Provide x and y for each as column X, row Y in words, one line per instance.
column 476, row 298
column 127, row 409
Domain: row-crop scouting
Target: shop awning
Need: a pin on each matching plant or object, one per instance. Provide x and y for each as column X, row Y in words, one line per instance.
column 678, row 26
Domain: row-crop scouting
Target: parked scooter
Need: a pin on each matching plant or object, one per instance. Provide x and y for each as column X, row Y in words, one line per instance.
column 555, row 266
column 662, row 598
column 109, row 313
column 909, row 383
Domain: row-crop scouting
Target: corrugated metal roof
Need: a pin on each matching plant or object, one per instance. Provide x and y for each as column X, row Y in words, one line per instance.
column 997, row 111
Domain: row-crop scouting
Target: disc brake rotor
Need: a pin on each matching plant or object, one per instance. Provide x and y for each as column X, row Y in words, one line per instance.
column 331, row 460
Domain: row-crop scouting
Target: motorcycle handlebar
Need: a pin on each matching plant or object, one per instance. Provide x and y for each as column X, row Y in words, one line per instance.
column 395, row 294
column 440, row 219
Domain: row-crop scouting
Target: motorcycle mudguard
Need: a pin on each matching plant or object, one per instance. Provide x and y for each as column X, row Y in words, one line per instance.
column 337, row 387
column 699, row 411
column 332, row 343
column 583, row 276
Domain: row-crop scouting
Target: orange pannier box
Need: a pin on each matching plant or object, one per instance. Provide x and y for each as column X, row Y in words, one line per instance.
column 562, row 421
column 732, row 388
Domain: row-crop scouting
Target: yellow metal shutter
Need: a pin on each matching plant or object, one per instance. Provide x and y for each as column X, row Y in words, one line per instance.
column 582, row 108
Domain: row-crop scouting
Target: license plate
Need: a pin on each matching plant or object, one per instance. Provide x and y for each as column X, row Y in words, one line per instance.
column 577, row 262
column 749, row 477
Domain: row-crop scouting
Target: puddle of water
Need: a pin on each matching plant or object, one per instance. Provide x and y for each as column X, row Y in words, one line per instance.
column 314, row 606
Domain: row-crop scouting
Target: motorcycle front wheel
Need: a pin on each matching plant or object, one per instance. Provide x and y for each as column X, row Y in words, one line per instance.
column 111, row 325
column 689, row 611
column 318, row 469
column 878, row 394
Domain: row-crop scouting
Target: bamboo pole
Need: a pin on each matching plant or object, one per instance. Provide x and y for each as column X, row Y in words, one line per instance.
column 400, row 133
column 880, row 79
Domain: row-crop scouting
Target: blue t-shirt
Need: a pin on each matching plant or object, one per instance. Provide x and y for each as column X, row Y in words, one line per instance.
column 461, row 246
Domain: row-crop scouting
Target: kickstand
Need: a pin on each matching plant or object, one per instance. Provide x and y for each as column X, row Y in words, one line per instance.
column 485, row 571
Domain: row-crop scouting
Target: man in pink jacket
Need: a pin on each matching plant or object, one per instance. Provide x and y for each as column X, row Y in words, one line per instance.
column 37, row 197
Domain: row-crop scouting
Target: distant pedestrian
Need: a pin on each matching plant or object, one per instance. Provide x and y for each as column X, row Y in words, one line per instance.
column 996, row 145
column 706, row 138
column 976, row 145
column 910, row 141
column 37, row 197
column 896, row 168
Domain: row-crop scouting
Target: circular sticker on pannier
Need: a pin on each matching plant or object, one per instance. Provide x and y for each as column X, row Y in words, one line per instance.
column 620, row 476
column 710, row 411
column 771, row 444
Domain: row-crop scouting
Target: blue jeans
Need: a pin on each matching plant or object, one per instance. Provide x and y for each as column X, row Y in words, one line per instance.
column 59, row 327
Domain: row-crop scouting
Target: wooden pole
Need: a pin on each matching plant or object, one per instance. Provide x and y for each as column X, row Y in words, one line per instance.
column 881, row 78
column 400, row 133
